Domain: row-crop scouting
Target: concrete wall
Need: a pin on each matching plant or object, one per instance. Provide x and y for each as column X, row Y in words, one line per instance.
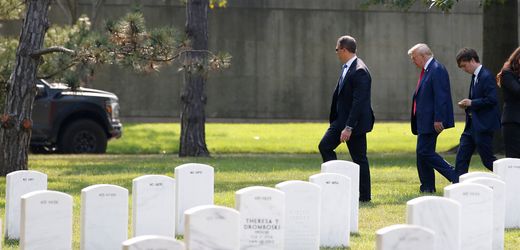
column 284, row 65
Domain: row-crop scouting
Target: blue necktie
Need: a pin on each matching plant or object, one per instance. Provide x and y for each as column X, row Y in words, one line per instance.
column 341, row 78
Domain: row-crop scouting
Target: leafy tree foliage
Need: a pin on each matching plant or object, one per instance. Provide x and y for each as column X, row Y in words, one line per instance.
column 7, row 52
column 217, row 3
column 126, row 42
column 11, row 9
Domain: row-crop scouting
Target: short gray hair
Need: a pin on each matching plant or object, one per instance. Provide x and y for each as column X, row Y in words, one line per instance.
column 420, row 48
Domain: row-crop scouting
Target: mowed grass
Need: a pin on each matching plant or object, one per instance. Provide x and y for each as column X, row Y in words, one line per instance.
column 293, row 138
column 394, row 182
column 241, row 162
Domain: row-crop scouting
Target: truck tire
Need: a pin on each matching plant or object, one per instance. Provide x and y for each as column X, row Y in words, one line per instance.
column 83, row 137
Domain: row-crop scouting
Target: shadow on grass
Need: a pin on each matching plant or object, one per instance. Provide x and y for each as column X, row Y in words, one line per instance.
column 71, row 187
column 393, row 199
column 166, row 164
column 161, row 164
column 235, row 186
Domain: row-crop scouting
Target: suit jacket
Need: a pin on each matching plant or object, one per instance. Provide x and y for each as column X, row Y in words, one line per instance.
column 511, row 91
column 351, row 104
column 433, row 100
column 485, row 116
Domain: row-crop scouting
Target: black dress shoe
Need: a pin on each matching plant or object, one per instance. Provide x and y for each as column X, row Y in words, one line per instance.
column 429, row 191
column 365, row 199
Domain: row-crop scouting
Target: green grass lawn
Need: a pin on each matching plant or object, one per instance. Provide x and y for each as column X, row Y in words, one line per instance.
column 241, row 161
column 299, row 138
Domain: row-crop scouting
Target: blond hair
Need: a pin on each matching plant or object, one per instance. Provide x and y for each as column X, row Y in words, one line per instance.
column 420, row 48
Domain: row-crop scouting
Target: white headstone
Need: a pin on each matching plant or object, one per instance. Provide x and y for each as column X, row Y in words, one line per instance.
column 509, row 171
column 153, row 242
column 212, row 227
column 104, row 217
column 302, row 215
column 469, row 175
column 351, row 170
column 405, row 237
column 441, row 215
column 335, row 209
column 195, row 187
column 46, row 221
column 499, row 207
column 19, row 183
column 262, row 215
column 477, row 213
column 153, row 205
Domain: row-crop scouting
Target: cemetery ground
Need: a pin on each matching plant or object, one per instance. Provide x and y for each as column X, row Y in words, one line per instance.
column 254, row 155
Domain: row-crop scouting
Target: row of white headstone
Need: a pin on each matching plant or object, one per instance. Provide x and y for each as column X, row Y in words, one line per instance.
column 42, row 219
column 472, row 214
column 295, row 215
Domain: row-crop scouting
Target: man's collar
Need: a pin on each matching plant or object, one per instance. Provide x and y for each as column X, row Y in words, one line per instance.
column 428, row 63
column 349, row 62
column 477, row 70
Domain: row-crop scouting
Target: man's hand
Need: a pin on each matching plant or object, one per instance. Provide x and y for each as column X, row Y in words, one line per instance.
column 438, row 127
column 345, row 135
column 465, row 103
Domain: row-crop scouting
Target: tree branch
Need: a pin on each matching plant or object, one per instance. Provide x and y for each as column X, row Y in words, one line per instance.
column 52, row 49
column 57, row 71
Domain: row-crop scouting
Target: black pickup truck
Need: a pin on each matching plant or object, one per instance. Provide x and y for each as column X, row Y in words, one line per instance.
column 73, row 121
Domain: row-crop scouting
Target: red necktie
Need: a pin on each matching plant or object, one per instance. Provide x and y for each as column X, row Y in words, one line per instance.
column 416, row 89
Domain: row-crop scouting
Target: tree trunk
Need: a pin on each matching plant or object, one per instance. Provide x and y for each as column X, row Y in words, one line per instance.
column 193, row 117
column 2, row 97
column 15, row 130
column 499, row 43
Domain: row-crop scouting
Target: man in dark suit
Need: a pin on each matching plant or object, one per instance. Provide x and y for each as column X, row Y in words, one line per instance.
column 351, row 115
column 482, row 115
column 432, row 112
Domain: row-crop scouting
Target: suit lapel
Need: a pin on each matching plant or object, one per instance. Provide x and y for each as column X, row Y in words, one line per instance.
column 475, row 83
column 425, row 76
column 477, row 80
column 350, row 71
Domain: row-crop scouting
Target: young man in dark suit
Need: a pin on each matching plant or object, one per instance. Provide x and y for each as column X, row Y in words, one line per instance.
column 351, row 115
column 482, row 115
column 432, row 112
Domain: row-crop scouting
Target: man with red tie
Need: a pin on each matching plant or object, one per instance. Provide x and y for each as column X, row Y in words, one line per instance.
column 432, row 112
